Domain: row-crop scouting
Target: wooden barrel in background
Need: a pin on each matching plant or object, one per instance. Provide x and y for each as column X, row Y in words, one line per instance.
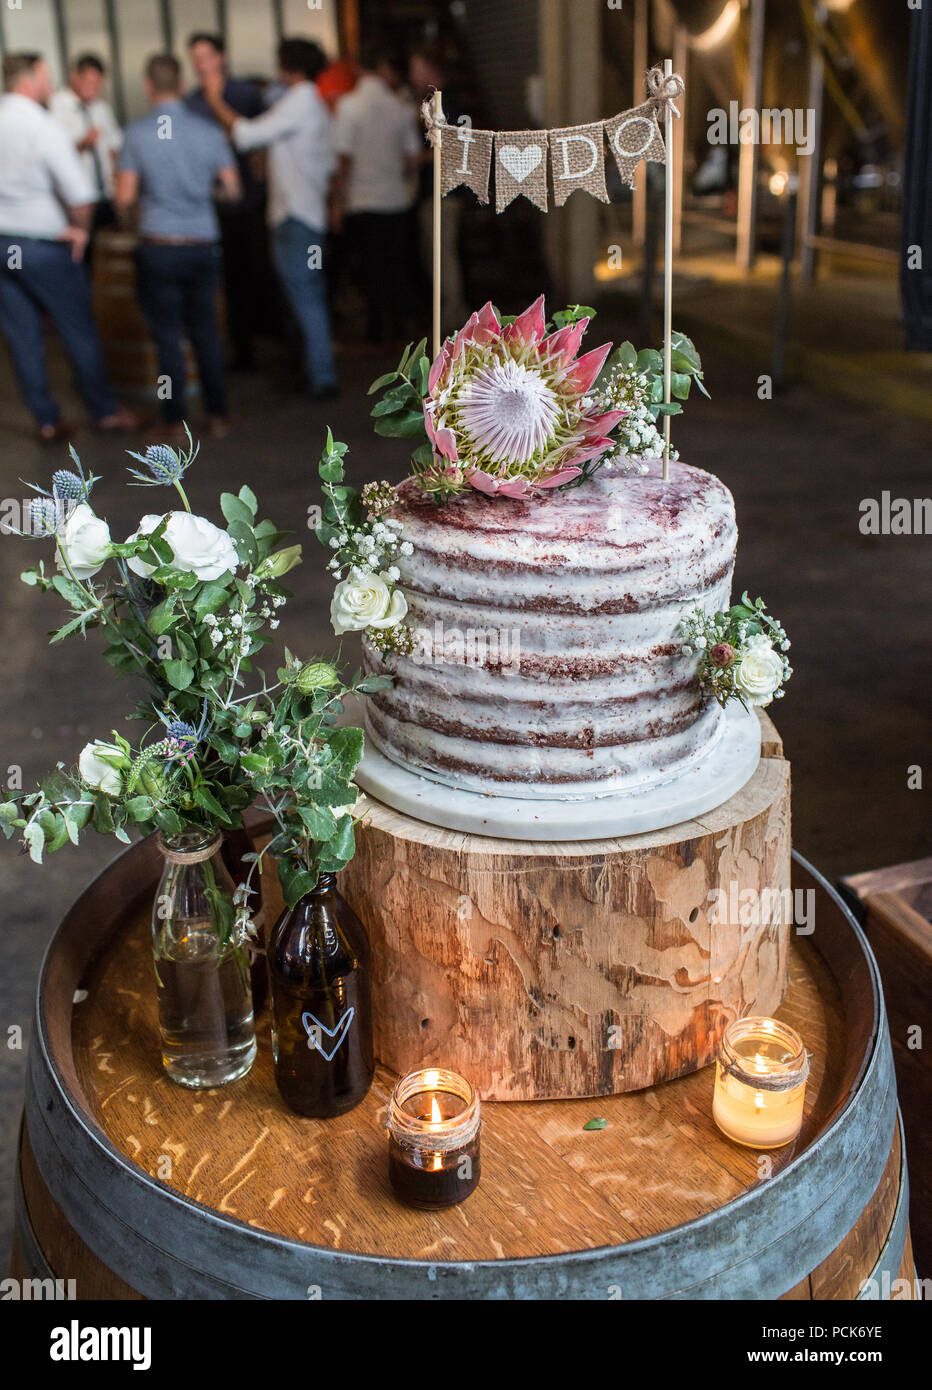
column 129, row 351
column 137, row 1188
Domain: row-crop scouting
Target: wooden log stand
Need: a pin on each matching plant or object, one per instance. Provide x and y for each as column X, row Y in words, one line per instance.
column 576, row 969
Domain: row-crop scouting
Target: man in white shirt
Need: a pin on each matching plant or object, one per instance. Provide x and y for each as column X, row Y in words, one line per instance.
column 89, row 120
column 46, row 204
column 296, row 132
column 378, row 143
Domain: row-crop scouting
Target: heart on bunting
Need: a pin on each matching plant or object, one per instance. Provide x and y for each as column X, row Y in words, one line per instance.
column 520, row 163
column 521, row 167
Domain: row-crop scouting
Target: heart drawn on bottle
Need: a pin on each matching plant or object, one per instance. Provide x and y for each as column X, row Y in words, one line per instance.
column 315, row 1030
column 520, row 162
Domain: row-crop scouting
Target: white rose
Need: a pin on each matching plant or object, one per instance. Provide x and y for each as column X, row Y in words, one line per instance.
column 759, row 673
column 96, row 767
column 198, row 546
column 366, row 602
column 84, row 541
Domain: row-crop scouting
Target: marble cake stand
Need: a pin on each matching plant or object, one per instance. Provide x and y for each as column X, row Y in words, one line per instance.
column 726, row 768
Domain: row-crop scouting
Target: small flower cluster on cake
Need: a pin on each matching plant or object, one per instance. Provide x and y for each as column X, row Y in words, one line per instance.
column 742, row 653
column 637, row 436
column 366, row 545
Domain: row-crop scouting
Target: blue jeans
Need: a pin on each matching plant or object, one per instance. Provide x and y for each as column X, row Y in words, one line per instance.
column 177, row 294
column 49, row 282
column 306, row 289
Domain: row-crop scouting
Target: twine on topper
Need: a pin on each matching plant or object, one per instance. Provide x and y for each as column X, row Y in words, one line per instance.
column 665, row 89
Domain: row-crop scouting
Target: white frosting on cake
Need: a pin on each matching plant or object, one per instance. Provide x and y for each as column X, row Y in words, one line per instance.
column 547, row 661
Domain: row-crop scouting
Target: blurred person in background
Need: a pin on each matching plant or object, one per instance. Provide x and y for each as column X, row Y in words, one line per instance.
column 379, row 146
column 169, row 162
column 242, row 223
column 88, row 118
column 46, row 208
column 427, row 73
column 296, row 133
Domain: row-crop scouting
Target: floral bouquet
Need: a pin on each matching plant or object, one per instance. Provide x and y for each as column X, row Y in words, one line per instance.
column 187, row 605
column 509, row 408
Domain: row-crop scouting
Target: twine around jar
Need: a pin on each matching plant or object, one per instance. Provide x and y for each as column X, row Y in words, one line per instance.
column 189, row 856
column 767, row 1081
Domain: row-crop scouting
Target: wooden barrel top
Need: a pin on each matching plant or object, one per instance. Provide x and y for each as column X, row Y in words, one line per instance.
column 549, row 1187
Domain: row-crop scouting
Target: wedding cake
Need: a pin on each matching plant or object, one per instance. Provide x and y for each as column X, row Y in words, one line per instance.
column 545, row 605
column 545, row 661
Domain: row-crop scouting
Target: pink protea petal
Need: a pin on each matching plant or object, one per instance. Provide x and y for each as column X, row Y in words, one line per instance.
column 585, row 371
column 482, row 482
column 565, row 342
column 445, row 442
column 604, row 424
column 515, row 487
column 438, row 367
column 488, row 324
column 565, row 475
column 429, row 423
column 528, row 327
column 592, row 449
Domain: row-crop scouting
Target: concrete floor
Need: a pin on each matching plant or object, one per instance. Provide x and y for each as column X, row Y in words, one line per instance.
column 857, row 714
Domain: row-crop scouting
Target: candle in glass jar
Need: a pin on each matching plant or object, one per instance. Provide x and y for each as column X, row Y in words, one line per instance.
column 433, row 1139
column 760, row 1083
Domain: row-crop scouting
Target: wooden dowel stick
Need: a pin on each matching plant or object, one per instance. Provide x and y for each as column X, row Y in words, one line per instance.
column 438, row 113
column 667, row 271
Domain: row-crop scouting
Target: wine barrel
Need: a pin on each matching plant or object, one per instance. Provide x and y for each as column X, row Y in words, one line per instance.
column 129, row 352
column 136, row 1188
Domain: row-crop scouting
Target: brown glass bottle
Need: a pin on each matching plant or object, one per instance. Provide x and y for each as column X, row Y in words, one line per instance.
column 318, row 957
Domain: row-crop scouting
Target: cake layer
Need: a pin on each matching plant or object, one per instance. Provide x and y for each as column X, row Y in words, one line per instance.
column 546, row 652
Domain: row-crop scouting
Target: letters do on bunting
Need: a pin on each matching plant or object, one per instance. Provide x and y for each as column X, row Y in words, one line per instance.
column 577, row 160
column 577, row 153
column 635, row 135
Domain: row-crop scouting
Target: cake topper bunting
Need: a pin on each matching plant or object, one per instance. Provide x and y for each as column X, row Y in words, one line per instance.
column 464, row 156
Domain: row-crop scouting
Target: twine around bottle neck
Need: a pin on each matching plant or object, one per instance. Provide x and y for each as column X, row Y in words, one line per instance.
column 189, row 856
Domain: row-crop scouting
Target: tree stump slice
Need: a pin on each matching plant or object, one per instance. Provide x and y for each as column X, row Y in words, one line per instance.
column 545, row 971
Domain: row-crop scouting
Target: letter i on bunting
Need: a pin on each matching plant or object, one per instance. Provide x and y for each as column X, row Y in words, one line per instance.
column 520, row 167
column 633, row 136
column 465, row 157
column 577, row 160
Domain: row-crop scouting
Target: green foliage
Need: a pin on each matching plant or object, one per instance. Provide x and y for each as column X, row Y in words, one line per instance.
column 210, row 746
column 686, row 368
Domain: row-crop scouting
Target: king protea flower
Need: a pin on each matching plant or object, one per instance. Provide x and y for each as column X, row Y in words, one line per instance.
column 507, row 408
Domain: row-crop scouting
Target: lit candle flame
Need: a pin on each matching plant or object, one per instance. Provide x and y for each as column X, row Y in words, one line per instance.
column 436, row 1115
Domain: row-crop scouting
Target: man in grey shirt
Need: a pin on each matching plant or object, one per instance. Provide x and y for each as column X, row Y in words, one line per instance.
column 169, row 162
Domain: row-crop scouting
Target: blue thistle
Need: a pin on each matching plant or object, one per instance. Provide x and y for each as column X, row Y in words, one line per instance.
column 68, row 491
column 44, row 517
column 68, row 487
column 182, row 737
column 164, row 466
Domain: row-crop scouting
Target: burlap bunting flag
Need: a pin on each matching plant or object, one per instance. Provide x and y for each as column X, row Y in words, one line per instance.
column 635, row 135
column 520, row 167
column 577, row 160
column 466, row 157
